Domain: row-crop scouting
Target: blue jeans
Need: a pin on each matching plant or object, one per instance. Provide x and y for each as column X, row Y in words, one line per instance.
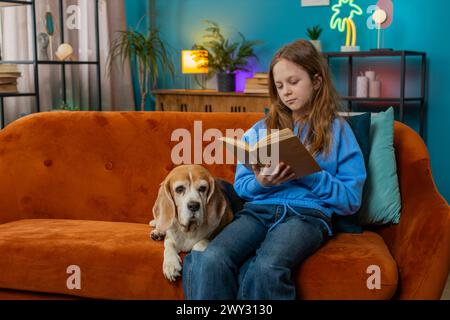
column 250, row 261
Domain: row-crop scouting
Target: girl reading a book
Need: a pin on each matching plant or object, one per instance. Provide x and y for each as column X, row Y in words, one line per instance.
column 285, row 220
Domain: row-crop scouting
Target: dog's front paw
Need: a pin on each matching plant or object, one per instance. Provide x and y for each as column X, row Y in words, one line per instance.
column 172, row 268
column 201, row 245
column 152, row 223
column 157, row 236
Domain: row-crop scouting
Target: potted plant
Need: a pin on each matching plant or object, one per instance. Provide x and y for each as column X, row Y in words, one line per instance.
column 149, row 53
column 314, row 34
column 65, row 106
column 226, row 56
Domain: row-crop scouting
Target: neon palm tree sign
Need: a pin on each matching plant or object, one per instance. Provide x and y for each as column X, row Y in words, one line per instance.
column 340, row 22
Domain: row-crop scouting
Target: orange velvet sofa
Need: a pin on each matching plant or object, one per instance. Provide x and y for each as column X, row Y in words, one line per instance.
column 77, row 188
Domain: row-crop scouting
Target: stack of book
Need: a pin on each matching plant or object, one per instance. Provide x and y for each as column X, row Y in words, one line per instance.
column 9, row 73
column 258, row 84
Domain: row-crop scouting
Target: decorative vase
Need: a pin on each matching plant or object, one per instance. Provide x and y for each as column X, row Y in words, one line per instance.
column 43, row 43
column 317, row 44
column 226, row 82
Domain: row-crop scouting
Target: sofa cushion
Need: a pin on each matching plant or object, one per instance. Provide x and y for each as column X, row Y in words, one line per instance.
column 339, row 270
column 119, row 261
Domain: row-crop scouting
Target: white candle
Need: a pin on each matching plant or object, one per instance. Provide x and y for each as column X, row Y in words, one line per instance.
column 362, row 87
column 371, row 75
column 375, row 89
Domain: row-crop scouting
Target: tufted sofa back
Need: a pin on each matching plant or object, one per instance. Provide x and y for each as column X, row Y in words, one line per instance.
column 96, row 166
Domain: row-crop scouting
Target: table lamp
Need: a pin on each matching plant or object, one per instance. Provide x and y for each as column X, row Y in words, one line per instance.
column 194, row 62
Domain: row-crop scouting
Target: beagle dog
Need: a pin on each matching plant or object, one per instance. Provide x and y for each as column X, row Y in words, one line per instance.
column 190, row 210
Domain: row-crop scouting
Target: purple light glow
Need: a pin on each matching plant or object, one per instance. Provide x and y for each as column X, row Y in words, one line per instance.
column 241, row 76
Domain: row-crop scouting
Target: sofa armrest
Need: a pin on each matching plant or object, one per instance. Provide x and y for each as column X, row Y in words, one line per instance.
column 420, row 244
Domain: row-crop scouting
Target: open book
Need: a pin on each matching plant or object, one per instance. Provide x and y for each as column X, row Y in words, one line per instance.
column 281, row 146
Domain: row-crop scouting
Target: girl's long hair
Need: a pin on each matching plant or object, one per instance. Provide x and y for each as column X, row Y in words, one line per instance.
column 323, row 106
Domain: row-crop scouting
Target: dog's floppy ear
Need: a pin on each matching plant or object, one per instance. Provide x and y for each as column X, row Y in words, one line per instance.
column 164, row 208
column 216, row 205
column 212, row 189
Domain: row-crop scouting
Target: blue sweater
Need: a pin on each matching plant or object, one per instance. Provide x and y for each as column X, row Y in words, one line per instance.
column 336, row 189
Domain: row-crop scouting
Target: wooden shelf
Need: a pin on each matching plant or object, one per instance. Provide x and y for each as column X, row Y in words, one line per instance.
column 182, row 92
column 17, row 62
column 16, row 94
column 209, row 101
column 48, row 62
column 35, row 62
column 376, row 53
column 383, row 99
column 401, row 100
column 66, row 62
column 4, row 4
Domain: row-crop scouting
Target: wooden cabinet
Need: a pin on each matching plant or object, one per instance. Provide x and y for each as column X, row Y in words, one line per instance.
column 209, row 101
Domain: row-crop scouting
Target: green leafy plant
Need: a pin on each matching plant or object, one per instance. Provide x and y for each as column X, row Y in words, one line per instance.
column 314, row 33
column 67, row 107
column 148, row 51
column 225, row 55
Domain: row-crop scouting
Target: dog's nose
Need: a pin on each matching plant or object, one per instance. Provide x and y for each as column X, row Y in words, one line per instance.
column 194, row 206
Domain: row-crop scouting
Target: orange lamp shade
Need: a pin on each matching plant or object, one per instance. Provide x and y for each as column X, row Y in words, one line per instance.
column 194, row 61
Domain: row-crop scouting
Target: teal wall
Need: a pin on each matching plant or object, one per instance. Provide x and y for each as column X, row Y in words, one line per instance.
column 418, row 25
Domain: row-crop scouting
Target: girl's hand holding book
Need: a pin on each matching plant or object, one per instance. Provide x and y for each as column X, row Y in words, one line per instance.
column 282, row 173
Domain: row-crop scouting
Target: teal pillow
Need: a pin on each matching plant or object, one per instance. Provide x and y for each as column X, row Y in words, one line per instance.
column 381, row 199
column 360, row 125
